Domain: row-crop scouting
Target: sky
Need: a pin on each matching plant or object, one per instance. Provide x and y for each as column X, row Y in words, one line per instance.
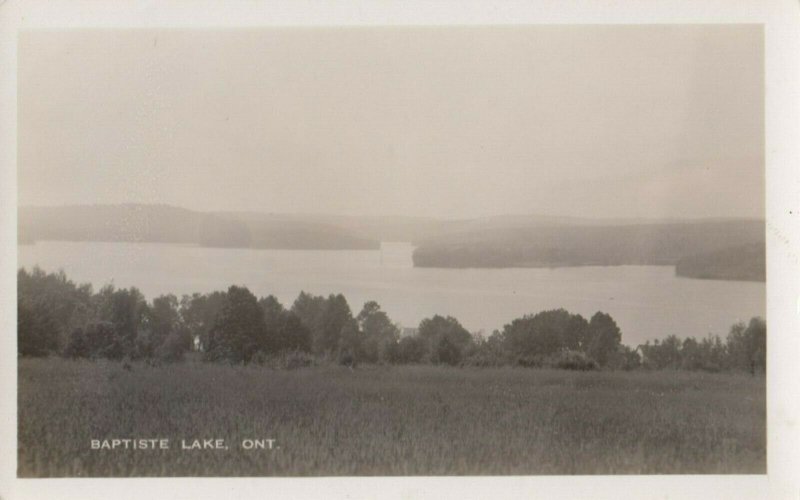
column 453, row 122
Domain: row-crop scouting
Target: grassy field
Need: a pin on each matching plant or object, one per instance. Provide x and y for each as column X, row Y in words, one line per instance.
column 418, row 420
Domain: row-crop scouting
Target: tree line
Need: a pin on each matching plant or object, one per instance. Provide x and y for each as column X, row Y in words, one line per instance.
column 57, row 316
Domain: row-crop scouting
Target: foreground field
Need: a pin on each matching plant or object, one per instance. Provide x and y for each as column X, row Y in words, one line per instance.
column 386, row 421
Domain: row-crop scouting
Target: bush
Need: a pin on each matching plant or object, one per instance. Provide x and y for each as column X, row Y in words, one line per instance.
column 77, row 347
column 572, row 360
column 487, row 352
column 297, row 359
column 98, row 339
column 410, row 350
column 174, row 346
column 346, row 358
column 625, row 358
column 530, row 360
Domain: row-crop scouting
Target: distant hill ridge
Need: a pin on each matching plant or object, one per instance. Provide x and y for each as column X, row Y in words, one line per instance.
column 719, row 248
column 168, row 224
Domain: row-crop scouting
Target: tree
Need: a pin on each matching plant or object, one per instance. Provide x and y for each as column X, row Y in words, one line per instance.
column 627, row 358
column 77, row 347
column 199, row 311
column 285, row 330
column 747, row 345
column 489, row 351
column 294, row 335
column 410, row 350
column 708, row 354
column 239, row 330
column 691, row 355
column 175, row 345
column 445, row 338
column 714, row 354
column 659, row 355
column 533, row 337
column 36, row 331
column 380, row 334
column 603, row 338
column 273, row 321
column 103, row 340
column 310, row 309
column 67, row 305
column 162, row 320
column 351, row 341
column 336, row 315
column 126, row 310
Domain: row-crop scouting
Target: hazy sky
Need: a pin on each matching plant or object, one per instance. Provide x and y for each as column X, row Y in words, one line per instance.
column 644, row 121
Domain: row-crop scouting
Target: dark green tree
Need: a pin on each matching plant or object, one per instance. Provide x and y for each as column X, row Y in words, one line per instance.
column 603, row 338
column 351, row 344
column 310, row 309
column 410, row 349
column 336, row 315
column 747, row 345
column 662, row 354
column 37, row 331
column 285, row 330
column 446, row 340
column 199, row 311
column 239, row 331
column 127, row 311
column 68, row 305
column 533, row 337
column 103, row 340
column 380, row 334
column 162, row 319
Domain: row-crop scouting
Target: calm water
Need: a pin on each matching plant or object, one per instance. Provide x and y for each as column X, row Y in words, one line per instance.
column 647, row 302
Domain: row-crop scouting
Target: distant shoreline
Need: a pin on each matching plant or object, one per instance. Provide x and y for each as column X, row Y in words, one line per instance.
column 717, row 248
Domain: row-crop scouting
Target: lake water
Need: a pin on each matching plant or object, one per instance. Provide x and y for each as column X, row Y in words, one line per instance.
column 648, row 302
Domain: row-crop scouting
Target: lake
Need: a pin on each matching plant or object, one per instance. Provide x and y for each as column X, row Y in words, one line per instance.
column 648, row 302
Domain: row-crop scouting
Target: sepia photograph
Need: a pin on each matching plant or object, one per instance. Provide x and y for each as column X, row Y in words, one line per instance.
column 394, row 250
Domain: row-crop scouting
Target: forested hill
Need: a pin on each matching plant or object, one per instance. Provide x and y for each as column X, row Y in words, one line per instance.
column 746, row 263
column 715, row 249
column 167, row 224
column 698, row 245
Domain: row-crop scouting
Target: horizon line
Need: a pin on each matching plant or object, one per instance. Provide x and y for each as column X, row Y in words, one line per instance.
column 407, row 216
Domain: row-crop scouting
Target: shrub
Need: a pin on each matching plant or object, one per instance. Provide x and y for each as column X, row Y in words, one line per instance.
column 488, row 352
column 410, row 350
column 572, row 360
column 484, row 359
column 174, row 346
column 77, row 347
column 530, row 360
column 99, row 339
column 625, row 358
column 297, row 359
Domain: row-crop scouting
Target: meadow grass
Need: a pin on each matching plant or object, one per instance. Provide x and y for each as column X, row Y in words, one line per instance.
column 400, row 420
